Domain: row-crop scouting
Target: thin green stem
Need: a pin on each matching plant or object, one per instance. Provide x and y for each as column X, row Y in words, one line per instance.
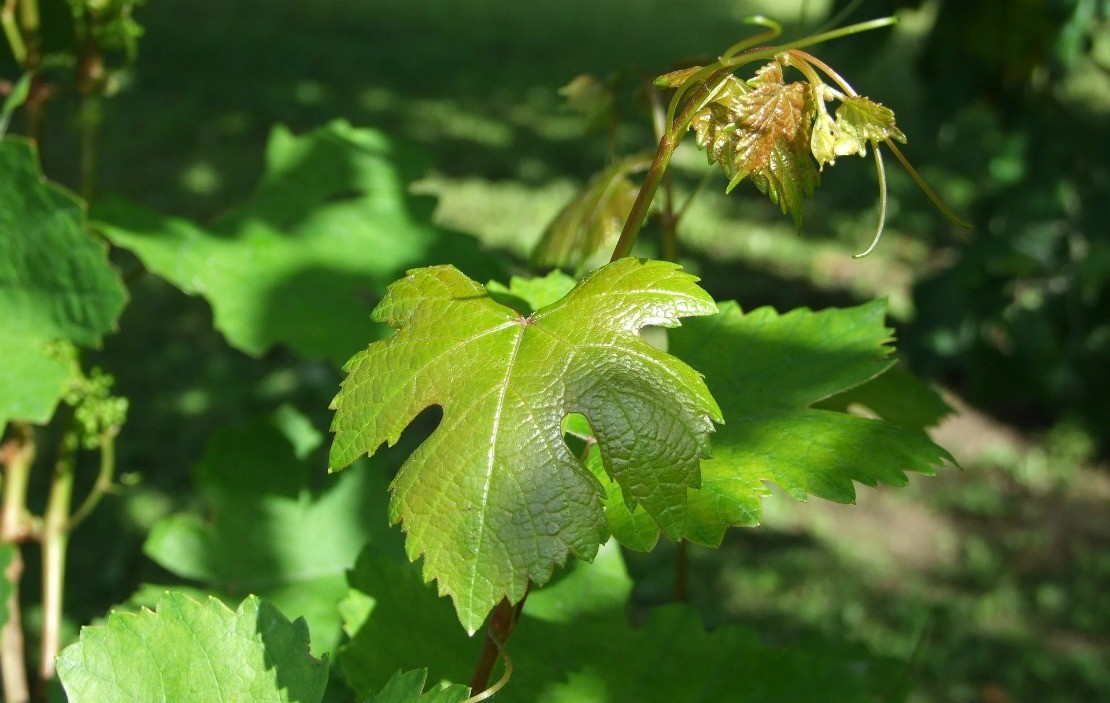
column 668, row 218
column 104, row 479
column 29, row 22
column 937, row 202
column 881, row 172
column 17, row 457
column 639, row 210
column 90, row 121
column 12, row 33
column 55, row 540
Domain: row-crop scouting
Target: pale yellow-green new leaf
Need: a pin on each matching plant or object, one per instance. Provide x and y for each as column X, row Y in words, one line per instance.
column 493, row 498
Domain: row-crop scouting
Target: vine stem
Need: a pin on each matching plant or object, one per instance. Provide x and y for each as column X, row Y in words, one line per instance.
column 55, row 540
column 501, row 624
column 16, row 456
column 104, row 479
column 12, row 33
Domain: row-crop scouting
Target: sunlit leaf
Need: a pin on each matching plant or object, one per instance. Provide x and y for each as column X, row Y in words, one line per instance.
column 494, row 498
column 761, row 129
column 191, row 652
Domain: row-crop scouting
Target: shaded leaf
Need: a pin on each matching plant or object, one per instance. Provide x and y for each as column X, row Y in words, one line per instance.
column 590, row 654
column 329, row 226
column 409, row 688
column 769, row 370
column 270, row 533
column 592, row 221
column 897, row 396
column 190, row 652
column 55, row 284
column 494, row 498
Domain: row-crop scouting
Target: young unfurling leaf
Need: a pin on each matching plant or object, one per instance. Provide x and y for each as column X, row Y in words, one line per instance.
column 762, row 130
column 493, row 498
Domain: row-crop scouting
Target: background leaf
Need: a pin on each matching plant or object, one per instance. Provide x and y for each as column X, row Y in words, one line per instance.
column 269, row 532
column 567, row 643
column 494, row 499
column 55, row 284
column 592, row 221
column 300, row 263
column 190, row 652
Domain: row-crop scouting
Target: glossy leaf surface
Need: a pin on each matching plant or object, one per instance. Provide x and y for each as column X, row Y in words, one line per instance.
column 494, row 498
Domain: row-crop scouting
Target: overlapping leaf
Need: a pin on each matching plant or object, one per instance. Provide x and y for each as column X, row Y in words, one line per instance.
column 55, row 284
column 191, row 652
column 269, row 533
column 769, row 370
column 494, row 498
column 330, row 225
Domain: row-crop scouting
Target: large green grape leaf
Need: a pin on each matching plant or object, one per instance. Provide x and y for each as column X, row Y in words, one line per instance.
column 55, row 284
column 769, row 370
column 577, row 646
column 270, row 532
column 494, row 499
column 329, row 226
column 409, row 688
column 191, row 652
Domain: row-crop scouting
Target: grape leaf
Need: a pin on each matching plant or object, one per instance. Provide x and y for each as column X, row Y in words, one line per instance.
column 761, row 129
column 714, row 125
column 859, row 120
column 494, row 498
column 55, row 284
column 409, row 688
column 896, row 396
column 865, row 120
column 330, row 224
column 270, row 534
column 190, row 652
column 769, row 369
column 564, row 648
